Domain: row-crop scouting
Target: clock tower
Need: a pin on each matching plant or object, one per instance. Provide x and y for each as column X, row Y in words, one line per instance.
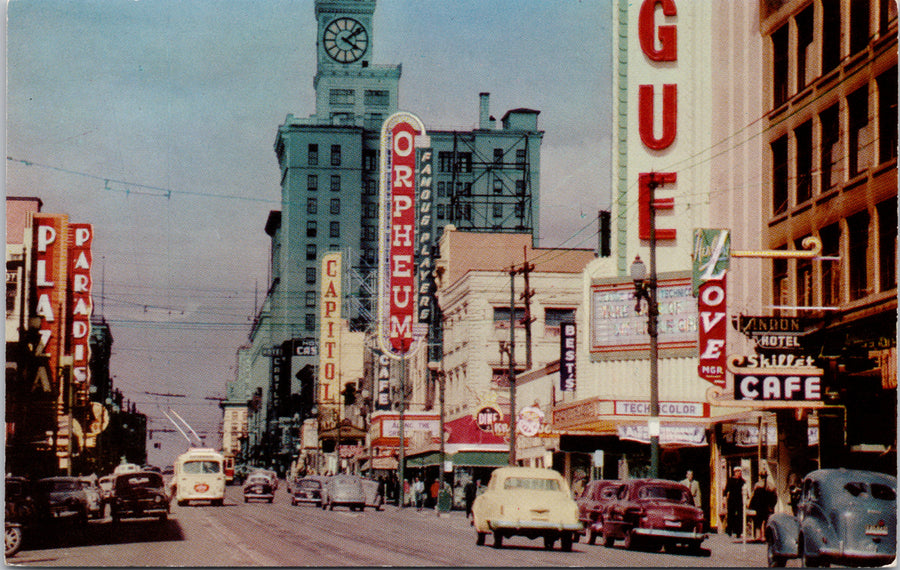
column 350, row 89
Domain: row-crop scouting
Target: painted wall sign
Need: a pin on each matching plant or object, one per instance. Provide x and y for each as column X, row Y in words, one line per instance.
column 397, row 240
column 567, row 357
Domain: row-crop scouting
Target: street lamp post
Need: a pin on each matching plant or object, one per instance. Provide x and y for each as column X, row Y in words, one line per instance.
column 646, row 289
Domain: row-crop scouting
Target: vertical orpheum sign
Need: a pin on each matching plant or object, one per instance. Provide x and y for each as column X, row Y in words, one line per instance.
column 330, row 328
column 50, row 251
column 397, row 236
column 712, row 255
column 81, row 237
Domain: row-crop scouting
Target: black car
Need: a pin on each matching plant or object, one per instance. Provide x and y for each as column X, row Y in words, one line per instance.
column 20, row 513
column 307, row 490
column 259, row 487
column 61, row 498
column 138, row 495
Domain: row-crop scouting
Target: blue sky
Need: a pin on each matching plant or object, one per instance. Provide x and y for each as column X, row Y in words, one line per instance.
column 154, row 120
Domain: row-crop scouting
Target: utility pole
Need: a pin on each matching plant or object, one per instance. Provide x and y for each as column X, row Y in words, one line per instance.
column 512, row 365
column 402, row 453
column 526, row 296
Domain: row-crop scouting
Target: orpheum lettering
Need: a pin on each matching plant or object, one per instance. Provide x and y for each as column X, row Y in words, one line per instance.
column 403, row 220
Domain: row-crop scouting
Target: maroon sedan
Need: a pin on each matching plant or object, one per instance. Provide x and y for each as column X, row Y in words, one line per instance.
column 650, row 513
column 594, row 500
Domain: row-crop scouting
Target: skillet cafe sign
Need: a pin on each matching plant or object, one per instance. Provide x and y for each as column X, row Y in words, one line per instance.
column 782, row 379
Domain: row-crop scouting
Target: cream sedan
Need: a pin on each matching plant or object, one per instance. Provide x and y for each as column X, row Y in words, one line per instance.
column 527, row 501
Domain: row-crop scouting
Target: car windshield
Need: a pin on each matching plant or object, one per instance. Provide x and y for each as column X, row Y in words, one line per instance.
column 531, row 484
column 875, row 490
column 60, row 486
column 259, row 480
column 200, row 466
column 310, row 484
column 142, row 480
column 662, row 493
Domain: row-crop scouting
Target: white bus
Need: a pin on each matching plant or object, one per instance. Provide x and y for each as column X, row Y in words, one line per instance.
column 200, row 476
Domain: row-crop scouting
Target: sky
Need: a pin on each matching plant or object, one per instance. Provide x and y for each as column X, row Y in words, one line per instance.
column 154, row 120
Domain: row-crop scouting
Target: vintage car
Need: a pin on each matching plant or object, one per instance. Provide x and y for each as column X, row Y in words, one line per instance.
column 21, row 517
column 344, row 490
column 105, row 484
column 527, row 501
column 94, row 499
column 137, row 495
column 61, row 498
column 307, row 490
column 594, row 500
column 844, row 516
column 259, row 487
column 374, row 498
column 649, row 513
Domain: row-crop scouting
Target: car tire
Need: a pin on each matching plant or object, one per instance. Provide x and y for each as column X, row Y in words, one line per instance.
column 809, row 561
column 565, row 541
column 498, row 539
column 14, row 538
column 592, row 537
column 549, row 541
column 479, row 538
column 631, row 541
column 774, row 560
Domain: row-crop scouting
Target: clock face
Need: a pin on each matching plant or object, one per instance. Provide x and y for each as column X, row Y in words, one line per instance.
column 345, row 40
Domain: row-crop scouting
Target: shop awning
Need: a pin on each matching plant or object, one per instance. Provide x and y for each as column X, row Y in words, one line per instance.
column 424, row 460
column 462, row 459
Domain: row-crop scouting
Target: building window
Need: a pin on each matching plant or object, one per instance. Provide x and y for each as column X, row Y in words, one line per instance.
column 441, row 214
column 464, row 160
column 311, row 298
column 831, row 35
column 831, row 148
column 520, row 210
column 309, row 322
column 336, row 206
column 779, row 281
column 371, row 188
column 887, row 244
column 520, row 156
column 334, row 229
column 441, row 190
column 859, row 25
column 859, row 134
column 501, row 317
column 498, row 186
column 312, row 155
column 520, row 187
column 310, row 252
column 498, row 210
column 467, row 189
column 341, row 97
column 335, row 155
column 779, row 175
column 554, row 318
column 370, row 160
column 498, row 157
column 804, row 281
column 311, row 275
column 887, row 13
column 857, row 253
column 311, row 205
column 804, row 48
column 311, row 228
column 467, row 212
column 831, row 264
column 445, row 161
column 887, row 115
column 335, row 183
column 803, row 139
column 370, row 210
column 376, row 98
column 780, row 66
column 370, row 233
column 312, row 183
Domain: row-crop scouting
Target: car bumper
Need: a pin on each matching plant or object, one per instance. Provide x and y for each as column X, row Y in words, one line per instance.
column 858, row 557
column 669, row 534
column 260, row 496
column 534, row 525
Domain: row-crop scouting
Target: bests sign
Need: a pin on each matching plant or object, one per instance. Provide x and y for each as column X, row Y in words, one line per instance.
column 397, row 243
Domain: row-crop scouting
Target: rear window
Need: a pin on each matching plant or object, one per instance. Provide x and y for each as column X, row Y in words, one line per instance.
column 661, row 493
column 310, row 484
column 531, row 484
column 200, row 467
column 144, row 480
column 876, row 490
column 60, row 485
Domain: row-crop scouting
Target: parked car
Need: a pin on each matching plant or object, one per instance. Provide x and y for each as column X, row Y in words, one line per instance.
column 105, row 485
column 94, row 500
column 594, row 500
column 527, row 501
column 20, row 513
column 137, row 495
column 649, row 513
column 259, row 487
column 272, row 476
column 61, row 498
column 374, row 498
column 307, row 490
column 344, row 490
column 844, row 516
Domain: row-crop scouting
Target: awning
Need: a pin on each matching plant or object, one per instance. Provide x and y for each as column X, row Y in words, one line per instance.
column 425, row 460
column 462, row 459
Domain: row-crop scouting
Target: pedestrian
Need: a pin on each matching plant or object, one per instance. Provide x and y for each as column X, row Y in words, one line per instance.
column 418, row 489
column 762, row 504
column 735, row 493
column 407, row 492
column 469, row 492
column 694, row 487
column 434, row 492
column 382, row 489
column 794, row 492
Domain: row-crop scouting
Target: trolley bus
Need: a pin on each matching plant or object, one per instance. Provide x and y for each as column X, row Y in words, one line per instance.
column 200, row 476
